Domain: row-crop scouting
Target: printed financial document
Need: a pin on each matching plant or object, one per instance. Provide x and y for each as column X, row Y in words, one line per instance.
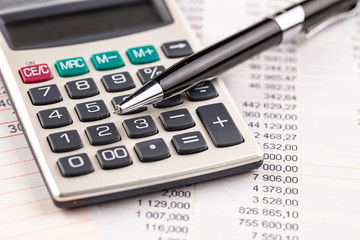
column 302, row 104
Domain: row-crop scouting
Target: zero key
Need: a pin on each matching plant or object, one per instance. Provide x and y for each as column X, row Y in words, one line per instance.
column 220, row 125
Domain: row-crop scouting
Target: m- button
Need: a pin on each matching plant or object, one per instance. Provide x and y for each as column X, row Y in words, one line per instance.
column 36, row 73
column 142, row 55
column 107, row 60
column 71, row 67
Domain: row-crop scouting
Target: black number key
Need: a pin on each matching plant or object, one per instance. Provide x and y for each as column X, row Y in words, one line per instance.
column 75, row 165
column 92, row 111
column 117, row 100
column 202, row 91
column 148, row 74
column 170, row 102
column 152, row 150
column 81, row 88
column 118, row 82
column 177, row 120
column 140, row 127
column 55, row 117
column 102, row 134
column 189, row 143
column 220, row 125
column 45, row 95
column 115, row 157
column 65, row 141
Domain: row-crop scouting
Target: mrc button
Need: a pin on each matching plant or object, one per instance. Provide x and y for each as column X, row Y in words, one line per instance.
column 36, row 73
column 71, row 67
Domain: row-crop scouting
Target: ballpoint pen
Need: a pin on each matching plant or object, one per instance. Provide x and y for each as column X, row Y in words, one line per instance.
column 303, row 20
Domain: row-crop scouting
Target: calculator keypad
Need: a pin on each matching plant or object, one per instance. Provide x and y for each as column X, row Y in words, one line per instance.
column 140, row 127
column 170, row 102
column 102, row 134
column 189, row 143
column 45, row 95
column 177, row 49
column 81, row 88
column 202, row 91
column 75, row 165
column 118, row 82
column 152, row 150
column 92, row 111
column 65, row 141
column 114, row 157
column 177, row 120
column 117, row 100
column 147, row 74
column 54, row 118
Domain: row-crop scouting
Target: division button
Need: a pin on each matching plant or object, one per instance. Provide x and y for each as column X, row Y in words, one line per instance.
column 45, row 95
column 170, row 102
column 65, row 141
column 36, row 73
column 202, row 91
column 177, row 120
column 177, row 49
column 71, row 67
column 92, row 111
column 81, row 88
column 117, row 100
column 75, row 165
column 107, row 60
column 148, row 74
column 115, row 157
column 152, row 150
column 140, row 127
column 189, row 143
column 54, row 118
column 220, row 125
column 143, row 55
column 102, row 134
column 118, row 82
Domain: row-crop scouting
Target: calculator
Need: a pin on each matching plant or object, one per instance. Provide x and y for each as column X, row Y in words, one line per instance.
column 66, row 65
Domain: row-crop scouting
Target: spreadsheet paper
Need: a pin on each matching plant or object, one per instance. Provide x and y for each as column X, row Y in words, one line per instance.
column 302, row 103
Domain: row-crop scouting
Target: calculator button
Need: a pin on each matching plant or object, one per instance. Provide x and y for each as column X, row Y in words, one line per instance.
column 81, row 88
column 107, row 60
column 75, row 165
column 148, row 74
column 115, row 157
column 177, row 49
column 117, row 100
column 92, row 111
column 202, row 91
column 36, row 73
column 152, row 150
column 55, row 117
column 65, row 141
column 118, row 82
column 71, row 67
column 189, row 143
column 45, row 95
column 170, row 102
column 142, row 55
column 140, row 127
column 177, row 120
column 102, row 134
column 220, row 125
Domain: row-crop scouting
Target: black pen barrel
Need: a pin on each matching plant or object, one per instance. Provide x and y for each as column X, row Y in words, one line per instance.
column 220, row 57
column 317, row 11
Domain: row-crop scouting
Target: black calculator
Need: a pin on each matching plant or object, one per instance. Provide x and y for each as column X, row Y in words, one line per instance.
column 67, row 65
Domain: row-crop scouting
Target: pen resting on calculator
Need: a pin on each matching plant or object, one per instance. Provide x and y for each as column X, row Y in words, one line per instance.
column 301, row 20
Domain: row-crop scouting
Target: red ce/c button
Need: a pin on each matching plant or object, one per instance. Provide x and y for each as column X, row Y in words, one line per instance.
column 36, row 73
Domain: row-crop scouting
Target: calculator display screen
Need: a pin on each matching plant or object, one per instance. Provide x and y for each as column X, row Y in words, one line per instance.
column 83, row 22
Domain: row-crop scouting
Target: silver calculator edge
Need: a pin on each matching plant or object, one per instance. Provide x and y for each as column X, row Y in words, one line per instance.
column 252, row 158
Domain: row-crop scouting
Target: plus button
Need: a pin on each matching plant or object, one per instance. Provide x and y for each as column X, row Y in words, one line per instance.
column 149, row 51
column 221, row 122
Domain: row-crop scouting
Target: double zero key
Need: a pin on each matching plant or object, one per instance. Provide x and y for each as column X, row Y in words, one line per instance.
column 220, row 125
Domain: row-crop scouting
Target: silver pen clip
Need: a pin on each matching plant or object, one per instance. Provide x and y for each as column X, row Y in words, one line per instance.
column 309, row 33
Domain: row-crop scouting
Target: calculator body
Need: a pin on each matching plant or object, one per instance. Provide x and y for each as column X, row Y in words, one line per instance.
column 138, row 177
